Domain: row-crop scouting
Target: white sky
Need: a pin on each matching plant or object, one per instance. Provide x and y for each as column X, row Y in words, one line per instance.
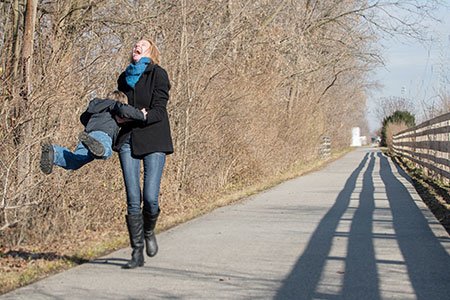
column 413, row 70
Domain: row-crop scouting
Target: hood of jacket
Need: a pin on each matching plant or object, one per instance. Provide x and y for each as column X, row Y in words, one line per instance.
column 98, row 105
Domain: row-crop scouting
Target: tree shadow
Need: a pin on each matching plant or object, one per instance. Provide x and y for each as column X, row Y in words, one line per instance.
column 48, row 256
column 53, row 256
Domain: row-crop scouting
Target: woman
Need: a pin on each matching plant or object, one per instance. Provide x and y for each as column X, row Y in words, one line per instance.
column 147, row 86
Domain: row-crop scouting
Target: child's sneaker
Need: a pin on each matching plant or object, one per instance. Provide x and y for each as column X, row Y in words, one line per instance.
column 94, row 146
column 47, row 154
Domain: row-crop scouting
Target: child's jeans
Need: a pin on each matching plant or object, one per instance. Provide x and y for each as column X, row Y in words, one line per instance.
column 69, row 160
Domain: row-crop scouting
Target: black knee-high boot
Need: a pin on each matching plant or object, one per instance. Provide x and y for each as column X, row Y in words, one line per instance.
column 149, row 232
column 135, row 230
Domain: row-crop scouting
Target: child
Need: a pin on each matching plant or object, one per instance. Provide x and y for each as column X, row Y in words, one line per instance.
column 96, row 141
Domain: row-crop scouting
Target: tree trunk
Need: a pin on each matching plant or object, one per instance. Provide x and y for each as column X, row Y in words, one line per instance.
column 24, row 131
column 184, row 115
column 16, row 42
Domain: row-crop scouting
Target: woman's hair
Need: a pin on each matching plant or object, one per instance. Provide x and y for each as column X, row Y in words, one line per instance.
column 118, row 96
column 154, row 52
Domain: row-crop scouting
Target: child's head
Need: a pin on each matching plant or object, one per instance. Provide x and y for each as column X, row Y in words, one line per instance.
column 118, row 96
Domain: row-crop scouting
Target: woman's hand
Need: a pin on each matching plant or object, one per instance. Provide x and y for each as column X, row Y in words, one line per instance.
column 144, row 111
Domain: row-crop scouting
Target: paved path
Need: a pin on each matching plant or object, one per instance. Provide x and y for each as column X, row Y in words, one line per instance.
column 354, row 230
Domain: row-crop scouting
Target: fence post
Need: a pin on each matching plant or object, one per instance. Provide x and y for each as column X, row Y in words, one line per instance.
column 325, row 147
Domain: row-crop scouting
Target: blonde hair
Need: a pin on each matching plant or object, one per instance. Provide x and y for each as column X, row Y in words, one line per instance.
column 118, row 96
column 154, row 52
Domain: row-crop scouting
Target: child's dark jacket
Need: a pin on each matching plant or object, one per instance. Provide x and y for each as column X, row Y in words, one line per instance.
column 99, row 116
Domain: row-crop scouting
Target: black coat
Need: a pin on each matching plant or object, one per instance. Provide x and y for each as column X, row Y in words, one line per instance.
column 99, row 116
column 150, row 92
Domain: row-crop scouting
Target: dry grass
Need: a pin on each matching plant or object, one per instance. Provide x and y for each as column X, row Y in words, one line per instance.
column 20, row 266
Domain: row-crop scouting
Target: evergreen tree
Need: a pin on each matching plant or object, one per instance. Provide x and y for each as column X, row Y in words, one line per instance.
column 398, row 117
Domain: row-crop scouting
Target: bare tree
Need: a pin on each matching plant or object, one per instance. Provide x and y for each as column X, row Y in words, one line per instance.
column 386, row 106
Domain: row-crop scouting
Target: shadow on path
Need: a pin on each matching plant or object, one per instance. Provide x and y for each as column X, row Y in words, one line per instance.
column 301, row 283
column 427, row 262
column 361, row 278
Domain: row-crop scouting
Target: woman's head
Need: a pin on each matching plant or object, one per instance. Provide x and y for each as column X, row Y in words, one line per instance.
column 145, row 48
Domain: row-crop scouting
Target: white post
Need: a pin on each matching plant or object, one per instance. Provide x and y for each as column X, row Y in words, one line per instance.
column 356, row 138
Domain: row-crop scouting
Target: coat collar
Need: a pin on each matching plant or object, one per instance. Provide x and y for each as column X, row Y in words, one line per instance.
column 149, row 68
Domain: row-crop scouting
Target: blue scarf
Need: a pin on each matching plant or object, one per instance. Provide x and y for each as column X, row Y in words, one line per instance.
column 134, row 71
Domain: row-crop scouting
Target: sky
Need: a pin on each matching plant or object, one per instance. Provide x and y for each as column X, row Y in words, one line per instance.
column 413, row 69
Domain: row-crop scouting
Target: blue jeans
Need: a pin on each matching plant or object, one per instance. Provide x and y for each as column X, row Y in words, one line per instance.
column 131, row 169
column 69, row 160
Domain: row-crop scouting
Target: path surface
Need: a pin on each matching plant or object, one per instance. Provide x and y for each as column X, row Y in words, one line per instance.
column 353, row 230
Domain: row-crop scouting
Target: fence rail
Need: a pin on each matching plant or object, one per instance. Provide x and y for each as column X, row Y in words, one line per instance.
column 427, row 146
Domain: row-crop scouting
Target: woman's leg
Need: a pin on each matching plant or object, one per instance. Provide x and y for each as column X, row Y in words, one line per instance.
column 131, row 173
column 153, row 169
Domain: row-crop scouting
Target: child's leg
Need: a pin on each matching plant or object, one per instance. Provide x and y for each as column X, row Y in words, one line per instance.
column 69, row 160
column 46, row 163
column 106, row 141
column 98, row 143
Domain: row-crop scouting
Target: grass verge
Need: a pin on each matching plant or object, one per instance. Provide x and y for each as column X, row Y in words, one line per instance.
column 22, row 266
column 236, row 194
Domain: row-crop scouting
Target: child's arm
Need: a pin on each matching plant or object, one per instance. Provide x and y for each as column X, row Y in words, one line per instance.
column 129, row 112
column 85, row 117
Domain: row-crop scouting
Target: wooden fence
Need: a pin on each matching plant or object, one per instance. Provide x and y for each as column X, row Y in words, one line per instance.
column 325, row 147
column 427, row 146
